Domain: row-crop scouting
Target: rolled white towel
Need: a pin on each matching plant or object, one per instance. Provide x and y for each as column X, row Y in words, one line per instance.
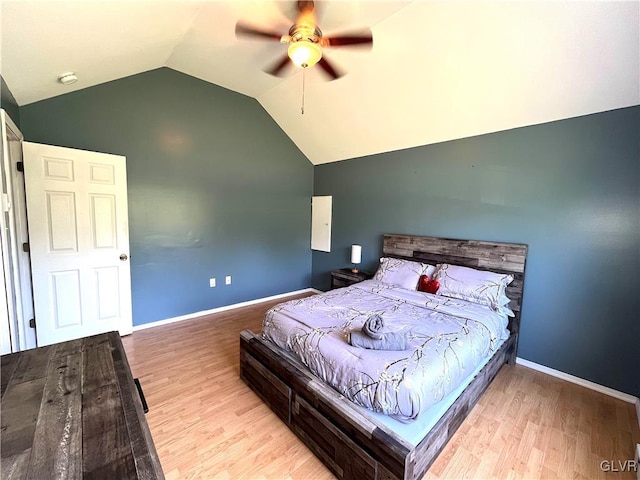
column 374, row 326
column 388, row 341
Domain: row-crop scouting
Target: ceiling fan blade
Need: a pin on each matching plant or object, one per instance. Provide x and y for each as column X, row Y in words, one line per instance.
column 249, row 31
column 277, row 68
column 329, row 69
column 364, row 39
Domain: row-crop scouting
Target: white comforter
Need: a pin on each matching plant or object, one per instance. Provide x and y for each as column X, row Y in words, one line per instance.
column 447, row 337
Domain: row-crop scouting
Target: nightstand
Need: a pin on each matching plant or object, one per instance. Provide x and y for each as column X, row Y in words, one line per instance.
column 345, row 277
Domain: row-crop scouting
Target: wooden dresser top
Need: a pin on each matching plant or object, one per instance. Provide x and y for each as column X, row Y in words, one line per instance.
column 71, row 410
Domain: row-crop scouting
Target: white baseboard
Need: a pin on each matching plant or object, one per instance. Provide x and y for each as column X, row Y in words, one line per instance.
column 191, row 316
column 582, row 382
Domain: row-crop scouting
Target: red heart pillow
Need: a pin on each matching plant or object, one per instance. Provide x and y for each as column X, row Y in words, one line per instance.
column 427, row 285
column 432, row 286
column 423, row 282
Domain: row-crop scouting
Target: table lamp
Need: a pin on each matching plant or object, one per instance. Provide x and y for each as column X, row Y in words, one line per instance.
column 356, row 257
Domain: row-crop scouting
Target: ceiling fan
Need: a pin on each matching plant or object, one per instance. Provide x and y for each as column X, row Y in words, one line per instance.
column 306, row 42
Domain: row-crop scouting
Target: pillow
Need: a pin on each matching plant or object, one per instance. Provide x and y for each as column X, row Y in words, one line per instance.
column 427, row 285
column 478, row 286
column 402, row 273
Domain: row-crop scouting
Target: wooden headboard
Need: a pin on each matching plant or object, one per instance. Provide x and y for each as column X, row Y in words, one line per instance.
column 494, row 256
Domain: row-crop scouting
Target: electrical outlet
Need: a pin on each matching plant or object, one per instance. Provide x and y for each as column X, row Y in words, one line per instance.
column 212, row 282
column 227, row 280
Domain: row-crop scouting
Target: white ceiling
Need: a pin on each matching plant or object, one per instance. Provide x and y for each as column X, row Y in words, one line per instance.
column 437, row 70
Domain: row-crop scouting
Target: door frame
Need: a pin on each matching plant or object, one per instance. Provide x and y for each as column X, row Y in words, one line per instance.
column 14, row 265
column 6, row 343
column 21, row 235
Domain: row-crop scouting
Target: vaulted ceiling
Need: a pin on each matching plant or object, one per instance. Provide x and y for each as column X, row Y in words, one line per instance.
column 437, row 70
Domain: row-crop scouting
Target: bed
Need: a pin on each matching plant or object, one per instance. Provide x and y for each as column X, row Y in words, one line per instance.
column 351, row 441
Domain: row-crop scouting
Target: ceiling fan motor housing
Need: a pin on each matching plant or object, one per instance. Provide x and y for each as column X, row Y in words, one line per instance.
column 310, row 33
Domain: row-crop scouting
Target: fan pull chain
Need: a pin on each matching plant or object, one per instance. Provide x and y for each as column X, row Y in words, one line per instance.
column 303, row 77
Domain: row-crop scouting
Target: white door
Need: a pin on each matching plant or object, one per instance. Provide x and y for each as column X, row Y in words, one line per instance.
column 79, row 241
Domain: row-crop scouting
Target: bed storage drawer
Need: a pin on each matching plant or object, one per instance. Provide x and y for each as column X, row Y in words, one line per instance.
column 270, row 388
column 343, row 457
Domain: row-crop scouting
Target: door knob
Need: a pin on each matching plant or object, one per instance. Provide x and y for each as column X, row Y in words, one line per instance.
column 123, row 257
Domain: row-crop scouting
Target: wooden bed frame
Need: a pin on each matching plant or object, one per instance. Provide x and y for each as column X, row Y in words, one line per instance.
column 351, row 444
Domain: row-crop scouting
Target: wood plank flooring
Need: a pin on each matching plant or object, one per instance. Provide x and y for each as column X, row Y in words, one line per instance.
column 207, row 424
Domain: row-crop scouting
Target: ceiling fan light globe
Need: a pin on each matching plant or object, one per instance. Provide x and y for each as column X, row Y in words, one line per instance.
column 304, row 53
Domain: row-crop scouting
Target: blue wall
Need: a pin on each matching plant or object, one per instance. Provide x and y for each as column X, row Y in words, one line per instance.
column 568, row 189
column 8, row 102
column 215, row 187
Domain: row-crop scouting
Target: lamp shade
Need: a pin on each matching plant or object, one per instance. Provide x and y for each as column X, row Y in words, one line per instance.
column 356, row 254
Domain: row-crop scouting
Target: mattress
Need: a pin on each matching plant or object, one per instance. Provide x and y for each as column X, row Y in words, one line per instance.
column 447, row 340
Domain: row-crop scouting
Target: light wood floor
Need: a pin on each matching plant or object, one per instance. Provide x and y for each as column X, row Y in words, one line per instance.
column 207, row 424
